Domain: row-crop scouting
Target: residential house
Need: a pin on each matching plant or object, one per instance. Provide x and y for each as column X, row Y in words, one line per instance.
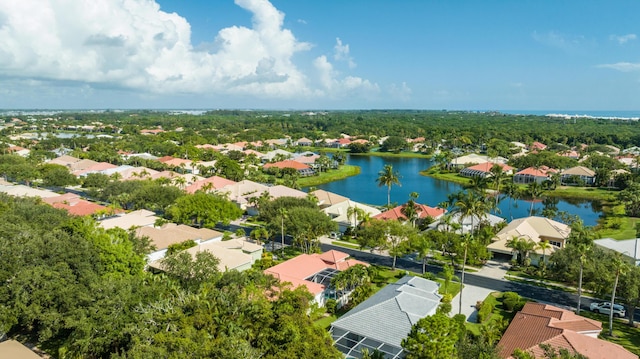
column 95, row 168
column 209, row 184
column 536, row 229
column 241, row 192
column 139, row 218
column 533, row 174
column 423, row 212
column 303, row 170
column 77, row 206
column 328, row 199
column 178, row 164
column 383, row 320
column 272, row 155
column 64, row 160
column 339, row 213
column 629, row 248
column 151, row 131
column 634, row 150
column 314, row 271
column 484, row 170
column 466, row 224
column 26, row 191
column 537, row 146
column 235, row 254
column 569, row 153
column 578, row 175
column 17, row 150
column 304, row 142
column 171, row 233
column 472, row 159
column 539, row 323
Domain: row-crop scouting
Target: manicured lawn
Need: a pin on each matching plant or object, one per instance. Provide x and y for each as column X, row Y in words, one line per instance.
column 623, row 334
column 627, row 228
column 345, row 244
column 498, row 315
column 331, row 175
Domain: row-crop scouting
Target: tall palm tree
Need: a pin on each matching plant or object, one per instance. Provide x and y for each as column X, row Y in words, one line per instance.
column 388, row 177
column 283, row 215
column 583, row 253
column 468, row 205
column 581, row 239
column 543, row 246
column 620, row 266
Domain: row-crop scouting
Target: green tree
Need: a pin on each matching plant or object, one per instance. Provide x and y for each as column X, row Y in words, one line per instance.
column 620, row 267
column 203, row 209
column 388, row 177
column 432, row 337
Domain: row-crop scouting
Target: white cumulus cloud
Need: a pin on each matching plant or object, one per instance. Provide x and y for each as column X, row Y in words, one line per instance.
column 341, row 53
column 336, row 86
column 134, row 44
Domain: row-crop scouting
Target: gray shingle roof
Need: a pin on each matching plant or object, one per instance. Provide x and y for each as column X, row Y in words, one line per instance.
column 388, row 315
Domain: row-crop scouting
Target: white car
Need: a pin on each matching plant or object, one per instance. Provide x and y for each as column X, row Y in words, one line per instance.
column 604, row 307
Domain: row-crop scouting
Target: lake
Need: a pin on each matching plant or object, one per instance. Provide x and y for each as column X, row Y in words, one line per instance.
column 363, row 188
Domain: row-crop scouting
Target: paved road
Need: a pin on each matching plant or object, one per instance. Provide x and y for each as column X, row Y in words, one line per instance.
column 540, row 294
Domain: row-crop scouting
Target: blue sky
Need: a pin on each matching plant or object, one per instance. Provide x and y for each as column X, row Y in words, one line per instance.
column 329, row 54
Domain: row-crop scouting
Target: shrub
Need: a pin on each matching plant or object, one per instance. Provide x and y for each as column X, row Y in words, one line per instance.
column 511, row 301
column 179, row 247
column 444, row 308
column 331, row 306
column 485, row 311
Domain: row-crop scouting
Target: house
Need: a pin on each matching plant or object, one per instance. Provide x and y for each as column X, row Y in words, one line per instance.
column 96, row 168
column 339, row 213
column 578, row 175
column 77, row 206
column 17, row 150
column 235, row 254
column 446, row 223
column 139, row 218
column 534, row 228
column 11, row 349
column 271, row 155
column 484, row 170
column 314, row 271
column 328, row 199
column 533, row 174
column 539, row 323
column 472, row 159
column 209, row 184
column 169, row 234
column 383, row 320
column 26, row 191
column 629, row 248
column 64, row 160
column 303, row 169
column 634, row 150
column 304, row 142
column 537, row 146
column 423, row 212
column 569, row 153
column 241, row 192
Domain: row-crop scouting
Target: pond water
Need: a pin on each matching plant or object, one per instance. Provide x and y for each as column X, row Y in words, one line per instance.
column 363, row 188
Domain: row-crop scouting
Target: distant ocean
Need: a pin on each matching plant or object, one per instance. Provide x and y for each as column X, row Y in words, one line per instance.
column 577, row 113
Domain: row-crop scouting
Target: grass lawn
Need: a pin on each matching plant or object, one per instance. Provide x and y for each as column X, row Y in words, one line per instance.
column 331, row 175
column 498, row 314
column 623, row 334
column 627, row 229
column 345, row 244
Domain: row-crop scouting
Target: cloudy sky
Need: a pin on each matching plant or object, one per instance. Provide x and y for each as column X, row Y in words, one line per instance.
column 324, row 54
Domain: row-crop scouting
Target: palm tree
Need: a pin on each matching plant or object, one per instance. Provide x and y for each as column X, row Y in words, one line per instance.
column 422, row 246
column 543, row 246
column 522, row 247
column 388, row 177
column 583, row 253
column 468, row 205
column 581, row 239
column 283, row 214
column 620, row 266
column 411, row 210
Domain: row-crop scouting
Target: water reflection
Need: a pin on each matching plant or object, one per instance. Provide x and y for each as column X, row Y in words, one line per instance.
column 363, row 188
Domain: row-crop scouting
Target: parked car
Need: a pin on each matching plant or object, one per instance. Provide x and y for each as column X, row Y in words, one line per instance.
column 604, row 307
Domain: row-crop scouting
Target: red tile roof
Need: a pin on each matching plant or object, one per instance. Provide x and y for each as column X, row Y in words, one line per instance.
column 543, row 171
column 216, row 183
column 287, row 164
column 297, row 269
column 73, row 204
column 486, row 167
column 539, row 324
column 424, row 211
